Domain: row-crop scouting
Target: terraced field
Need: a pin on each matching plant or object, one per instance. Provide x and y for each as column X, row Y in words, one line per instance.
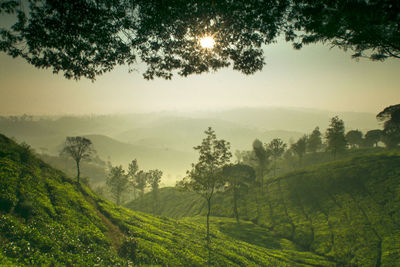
column 347, row 211
column 48, row 219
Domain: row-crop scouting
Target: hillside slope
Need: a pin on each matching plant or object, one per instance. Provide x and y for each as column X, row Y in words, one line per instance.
column 348, row 210
column 47, row 219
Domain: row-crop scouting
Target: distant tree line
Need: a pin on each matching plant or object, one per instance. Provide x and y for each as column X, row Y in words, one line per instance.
column 137, row 181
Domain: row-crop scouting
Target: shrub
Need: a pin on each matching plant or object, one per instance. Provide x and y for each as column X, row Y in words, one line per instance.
column 128, row 249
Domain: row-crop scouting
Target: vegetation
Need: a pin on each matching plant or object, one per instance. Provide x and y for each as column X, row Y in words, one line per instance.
column 47, row 219
column 314, row 141
column 154, row 180
column 391, row 130
column 79, row 148
column 166, row 36
column 132, row 170
column 117, row 182
column 239, row 178
column 336, row 141
column 206, row 176
column 276, row 147
column 346, row 210
column 300, row 148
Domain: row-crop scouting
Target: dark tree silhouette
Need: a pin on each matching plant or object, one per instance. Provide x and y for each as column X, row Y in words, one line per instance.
column 85, row 38
column 314, row 141
column 372, row 137
column 239, row 178
column 391, row 128
column 336, row 141
column 79, row 148
column 354, row 138
column 368, row 28
column 262, row 156
column 276, row 148
column 300, row 148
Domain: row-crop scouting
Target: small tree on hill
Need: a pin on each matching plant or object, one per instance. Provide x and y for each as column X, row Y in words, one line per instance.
column 79, row 148
column 314, row 141
column 117, row 182
column 372, row 137
column 206, row 177
column 261, row 156
column 239, row 177
column 276, row 147
column 132, row 172
column 354, row 138
column 154, row 178
column 336, row 140
column 299, row 148
column 141, row 182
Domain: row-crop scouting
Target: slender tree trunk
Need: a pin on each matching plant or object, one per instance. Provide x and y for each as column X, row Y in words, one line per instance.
column 235, row 209
column 274, row 166
column 78, row 171
column 208, row 230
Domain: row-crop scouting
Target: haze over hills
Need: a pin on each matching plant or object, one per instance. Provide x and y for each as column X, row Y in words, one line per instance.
column 166, row 140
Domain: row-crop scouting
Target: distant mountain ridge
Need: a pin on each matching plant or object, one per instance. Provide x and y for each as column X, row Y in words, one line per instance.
column 166, row 140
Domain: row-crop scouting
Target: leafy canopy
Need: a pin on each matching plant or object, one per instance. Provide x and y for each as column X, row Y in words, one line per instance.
column 85, row 38
column 206, row 175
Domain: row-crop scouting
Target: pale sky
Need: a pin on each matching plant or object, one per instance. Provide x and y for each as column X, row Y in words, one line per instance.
column 314, row 77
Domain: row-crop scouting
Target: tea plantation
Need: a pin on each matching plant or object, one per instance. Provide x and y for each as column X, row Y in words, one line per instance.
column 48, row 219
column 347, row 211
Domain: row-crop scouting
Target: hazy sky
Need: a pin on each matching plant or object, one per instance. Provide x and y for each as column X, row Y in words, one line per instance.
column 314, row 77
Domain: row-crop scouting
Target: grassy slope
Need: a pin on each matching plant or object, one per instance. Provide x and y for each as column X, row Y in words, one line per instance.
column 346, row 210
column 45, row 218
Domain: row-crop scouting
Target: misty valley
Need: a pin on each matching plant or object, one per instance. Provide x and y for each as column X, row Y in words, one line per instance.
column 287, row 197
column 200, row 133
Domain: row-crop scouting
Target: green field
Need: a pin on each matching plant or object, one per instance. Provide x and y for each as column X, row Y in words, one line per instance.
column 347, row 211
column 47, row 219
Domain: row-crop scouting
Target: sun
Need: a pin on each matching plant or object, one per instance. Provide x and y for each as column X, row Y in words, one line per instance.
column 207, row 42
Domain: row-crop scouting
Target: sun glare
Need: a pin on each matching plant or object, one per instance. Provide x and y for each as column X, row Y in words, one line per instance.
column 207, row 42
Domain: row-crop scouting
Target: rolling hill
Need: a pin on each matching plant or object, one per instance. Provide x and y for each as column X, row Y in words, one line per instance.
column 348, row 210
column 47, row 219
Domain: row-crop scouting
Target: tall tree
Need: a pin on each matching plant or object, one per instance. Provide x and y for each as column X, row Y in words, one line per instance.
column 141, row 182
column 239, row 177
column 354, row 138
column 299, row 148
column 262, row 157
column 336, row 141
column 206, row 177
column 391, row 127
column 314, row 141
column 154, row 179
column 372, row 137
column 132, row 171
column 276, row 147
column 79, row 148
column 117, row 181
